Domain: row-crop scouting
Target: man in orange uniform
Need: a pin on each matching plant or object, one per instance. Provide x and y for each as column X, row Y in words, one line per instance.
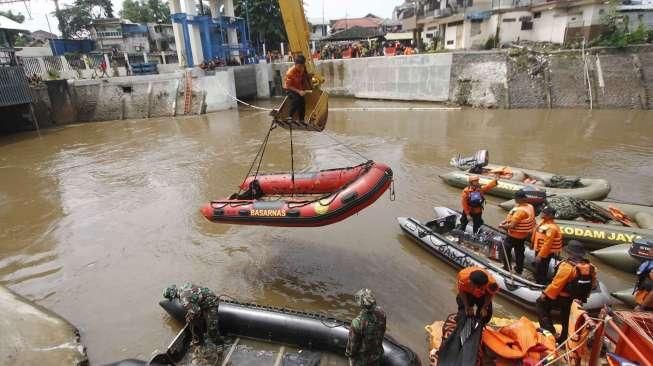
column 476, row 287
column 547, row 244
column 295, row 82
column 472, row 201
column 644, row 287
column 519, row 224
column 574, row 279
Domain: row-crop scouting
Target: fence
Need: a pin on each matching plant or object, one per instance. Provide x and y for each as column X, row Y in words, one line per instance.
column 76, row 66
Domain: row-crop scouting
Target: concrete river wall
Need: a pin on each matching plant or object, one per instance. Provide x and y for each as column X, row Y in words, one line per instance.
column 603, row 78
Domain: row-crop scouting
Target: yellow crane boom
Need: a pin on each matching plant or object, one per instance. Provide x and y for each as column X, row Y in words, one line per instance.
column 317, row 107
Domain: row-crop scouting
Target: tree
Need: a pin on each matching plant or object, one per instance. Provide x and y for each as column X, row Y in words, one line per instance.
column 265, row 22
column 145, row 11
column 16, row 17
column 75, row 21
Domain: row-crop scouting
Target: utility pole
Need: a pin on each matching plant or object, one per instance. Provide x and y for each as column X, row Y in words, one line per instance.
column 62, row 26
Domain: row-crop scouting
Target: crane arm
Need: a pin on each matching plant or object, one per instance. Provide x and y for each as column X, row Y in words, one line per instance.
column 298, row 33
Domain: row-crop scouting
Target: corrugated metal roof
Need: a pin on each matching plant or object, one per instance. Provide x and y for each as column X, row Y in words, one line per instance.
column 6, row 23
column 14, row 88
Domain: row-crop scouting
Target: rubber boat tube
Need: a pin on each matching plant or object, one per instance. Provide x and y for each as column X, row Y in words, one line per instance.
column 344, row 192
column 597, row 236
column 626, row 296
column 592, row 189
column 304, row 330
column 617, row 256
column 513, row 287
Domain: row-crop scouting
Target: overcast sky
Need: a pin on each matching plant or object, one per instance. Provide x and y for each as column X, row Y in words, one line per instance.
column 333, row 9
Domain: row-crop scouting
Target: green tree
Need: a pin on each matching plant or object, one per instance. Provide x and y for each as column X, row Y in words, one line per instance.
column 265, row 22
column 145, row 11
column 75, row 21
column 16, row 17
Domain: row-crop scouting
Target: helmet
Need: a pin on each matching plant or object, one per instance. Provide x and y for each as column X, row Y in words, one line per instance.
column 549, row 210
column 170, row 292
column 365, row 298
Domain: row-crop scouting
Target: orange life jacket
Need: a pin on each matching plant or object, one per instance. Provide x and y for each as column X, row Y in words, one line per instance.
column 525, row 226
column 465, row 283
column 540, row 236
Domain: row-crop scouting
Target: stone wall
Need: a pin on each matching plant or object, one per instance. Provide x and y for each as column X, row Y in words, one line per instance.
column 134, row 97
column 618, row 78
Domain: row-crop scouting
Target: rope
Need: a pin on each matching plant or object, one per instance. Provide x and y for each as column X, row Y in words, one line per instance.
column 563, row 344
column 292, row 162
column 345, row 146
column 260, row 149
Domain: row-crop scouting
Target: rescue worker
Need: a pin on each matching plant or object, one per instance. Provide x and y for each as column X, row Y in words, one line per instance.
column 472, row 201
column 574, row 279
column 295, row 83
column 476, row 288
column 519, row 224
column 644, row 287
column 365, row 341
column 201, row 306
column 547, row 244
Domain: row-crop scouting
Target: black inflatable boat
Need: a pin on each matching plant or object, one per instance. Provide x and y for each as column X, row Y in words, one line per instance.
column 311, row 333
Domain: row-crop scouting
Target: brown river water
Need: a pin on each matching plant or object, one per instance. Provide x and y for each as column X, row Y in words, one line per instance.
column 97, row 219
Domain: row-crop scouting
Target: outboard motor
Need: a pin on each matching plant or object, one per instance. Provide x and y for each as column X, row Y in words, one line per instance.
column 535, row 197
column 445, row 220
column 474, row 163
column 642, row 249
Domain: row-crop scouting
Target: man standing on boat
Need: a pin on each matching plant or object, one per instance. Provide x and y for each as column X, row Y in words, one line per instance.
column 644, row 287
column 476, row 287
column 547, row 244
column 472, row 201
column 201, row 305
column 519, row 224
column 365, row 343
column 295, row 83
column 574, row 279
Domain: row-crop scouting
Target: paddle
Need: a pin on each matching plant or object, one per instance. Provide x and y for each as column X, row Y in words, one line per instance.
column 166, row 358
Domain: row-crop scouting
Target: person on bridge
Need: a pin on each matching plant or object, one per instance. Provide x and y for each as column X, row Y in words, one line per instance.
column 365, row 342
column 295, row 83
column 519, row 224
column 201, row 306
column 476, row 287
column 547, row 244
column 644, row 287
column 472, row 200
column 574, row 279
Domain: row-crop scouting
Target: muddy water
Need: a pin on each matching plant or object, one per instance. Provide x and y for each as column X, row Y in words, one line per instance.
column 96, row 219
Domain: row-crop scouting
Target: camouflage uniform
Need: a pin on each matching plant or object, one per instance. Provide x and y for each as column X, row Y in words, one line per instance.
column 201, row 304
column 365, row 343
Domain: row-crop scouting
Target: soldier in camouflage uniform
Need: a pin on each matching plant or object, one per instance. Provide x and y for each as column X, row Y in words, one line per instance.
column 201, row 304
column 365, row 343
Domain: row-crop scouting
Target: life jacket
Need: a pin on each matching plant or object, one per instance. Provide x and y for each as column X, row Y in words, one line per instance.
column 539, row 236
column 580, row 285
column 524, row 227
column 476, row 199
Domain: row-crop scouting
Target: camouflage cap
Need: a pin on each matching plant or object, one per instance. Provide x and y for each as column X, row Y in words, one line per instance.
column 170, row 292
column 365, row 298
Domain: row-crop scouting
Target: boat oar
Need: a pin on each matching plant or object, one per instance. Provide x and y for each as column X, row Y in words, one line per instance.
column 166, row 358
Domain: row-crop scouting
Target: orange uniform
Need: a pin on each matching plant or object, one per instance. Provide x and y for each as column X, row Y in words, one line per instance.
column 295, row 78
column 465, row 284
column 546, row 238
column 524, row 216
column 566, row 272
column 464, row 197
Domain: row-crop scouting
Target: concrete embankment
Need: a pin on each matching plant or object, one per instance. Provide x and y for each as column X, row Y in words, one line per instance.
column 33, row 335
column 604, row 78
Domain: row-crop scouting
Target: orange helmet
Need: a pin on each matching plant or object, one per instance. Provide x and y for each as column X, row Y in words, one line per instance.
column 473, row 178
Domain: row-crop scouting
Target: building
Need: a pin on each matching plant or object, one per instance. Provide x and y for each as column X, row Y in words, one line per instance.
column 471, row 24
column 161, row 36
column 41, row 38
column 8, row 31
column 370, row 21
column 319, row 28
column 121, row 35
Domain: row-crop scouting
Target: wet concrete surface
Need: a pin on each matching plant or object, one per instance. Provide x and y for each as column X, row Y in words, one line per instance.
column 97, row 219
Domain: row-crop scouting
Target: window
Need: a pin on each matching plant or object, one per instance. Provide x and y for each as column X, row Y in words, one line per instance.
column 509, row 20
column 526, row 25
column 450, row 42
column 537, row 14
